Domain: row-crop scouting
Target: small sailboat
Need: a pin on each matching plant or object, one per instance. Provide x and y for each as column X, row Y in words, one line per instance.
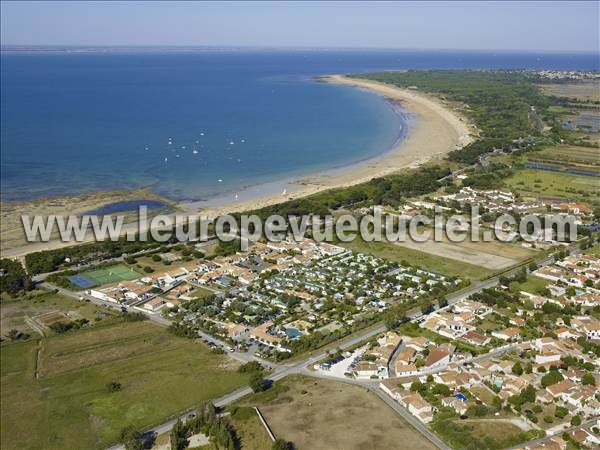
column 231, row 142
column 284, row 192
column 166, row 159
column 201, row 134
column 243, row 140
column 237, row 196
column 195, row 152
column 220, row 180
column 177, row 156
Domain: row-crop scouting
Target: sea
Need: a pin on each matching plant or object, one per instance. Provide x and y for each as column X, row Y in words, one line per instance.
column 200, row 124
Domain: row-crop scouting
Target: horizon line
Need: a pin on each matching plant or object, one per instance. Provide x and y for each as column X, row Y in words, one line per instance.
column 57, row 47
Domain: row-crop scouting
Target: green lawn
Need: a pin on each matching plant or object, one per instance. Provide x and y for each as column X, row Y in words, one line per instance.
column 533, row 285
column 435, row 263
column 69, row 406
column 201, row 292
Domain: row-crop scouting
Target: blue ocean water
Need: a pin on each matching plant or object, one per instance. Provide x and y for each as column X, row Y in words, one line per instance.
column 196, row 124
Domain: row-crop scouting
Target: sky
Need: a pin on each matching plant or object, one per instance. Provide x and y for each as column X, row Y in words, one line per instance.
column 546, row 26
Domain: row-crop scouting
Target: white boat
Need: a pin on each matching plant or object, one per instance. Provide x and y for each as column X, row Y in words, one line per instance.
column 195, row 152
column 220, row 180
column 237, row 196
column 284, row 192
column 166, row 159
column 176, row 156
column 231, row 142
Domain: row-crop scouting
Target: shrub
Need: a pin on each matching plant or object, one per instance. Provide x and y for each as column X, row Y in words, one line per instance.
column 113, row 386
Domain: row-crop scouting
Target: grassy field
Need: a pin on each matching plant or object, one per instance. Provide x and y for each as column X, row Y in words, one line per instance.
column 249, row 429
column 533, row 285
column 321, row 414
column 39, row 306
column 568, row 154
column 429, row 261
column 534, row 183
column 201, row 292
column 493, row 428
column 63, row 398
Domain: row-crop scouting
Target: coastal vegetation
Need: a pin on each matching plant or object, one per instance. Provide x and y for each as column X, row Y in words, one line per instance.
column 13, row 277
column 505, row 106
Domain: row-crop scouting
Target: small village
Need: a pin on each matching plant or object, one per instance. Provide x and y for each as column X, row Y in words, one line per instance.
column 276, row 293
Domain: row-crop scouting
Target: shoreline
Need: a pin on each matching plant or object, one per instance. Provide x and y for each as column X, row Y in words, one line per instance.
column 435, row 131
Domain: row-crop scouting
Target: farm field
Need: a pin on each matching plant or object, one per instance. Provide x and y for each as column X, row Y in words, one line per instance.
column 65, row 398
column 423, row 259
column 36, row 310
column 322, row 414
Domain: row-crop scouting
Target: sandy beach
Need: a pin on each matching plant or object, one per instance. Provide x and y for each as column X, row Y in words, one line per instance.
column 437, row 129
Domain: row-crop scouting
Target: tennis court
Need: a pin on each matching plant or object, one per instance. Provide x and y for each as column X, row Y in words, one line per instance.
column 105, row 275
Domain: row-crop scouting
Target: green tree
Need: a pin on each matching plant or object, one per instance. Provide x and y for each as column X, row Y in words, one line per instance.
column 588, row 379
column 179, row 434
column 517, row 369
column 13, row 277
column 576, row 421
column 528, row 394
column 257, row 382
column 552, row 377
column 131, row 438
column 560, row 412
column 282, row 444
